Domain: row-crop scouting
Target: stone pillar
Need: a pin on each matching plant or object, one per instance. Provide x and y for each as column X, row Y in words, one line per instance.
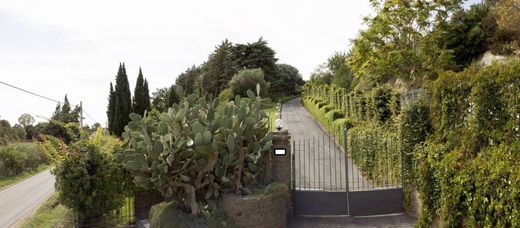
column 281, row 165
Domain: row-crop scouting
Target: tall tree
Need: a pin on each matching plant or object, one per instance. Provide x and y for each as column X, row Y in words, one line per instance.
column 65, row 114
column 111, row 109
column 219, row 69
column 342, row 75
column 256, row 55
column 159, row 99
column 141, row 95
column 189, row 79
column 289, row 78
column 122, row 102
column 400, row 43
column 25, row 120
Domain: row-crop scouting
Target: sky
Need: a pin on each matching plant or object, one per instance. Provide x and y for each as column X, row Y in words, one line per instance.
column 59, row 47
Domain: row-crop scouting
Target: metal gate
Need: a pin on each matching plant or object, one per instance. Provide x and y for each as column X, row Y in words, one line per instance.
column 327, row 181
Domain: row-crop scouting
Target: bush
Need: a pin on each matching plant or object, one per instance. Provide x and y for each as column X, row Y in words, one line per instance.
column 198, row 149
column 169, row 215
column 18, row 158
column 90, row 181
column 53, row 149
column 247, row 80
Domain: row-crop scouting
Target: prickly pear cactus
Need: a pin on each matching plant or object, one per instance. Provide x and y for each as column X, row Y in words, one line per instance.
column 197, row 149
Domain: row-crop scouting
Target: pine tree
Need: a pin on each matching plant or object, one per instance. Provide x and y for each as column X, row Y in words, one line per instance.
column 141, row 95
column 122, row 102
column 219, row 69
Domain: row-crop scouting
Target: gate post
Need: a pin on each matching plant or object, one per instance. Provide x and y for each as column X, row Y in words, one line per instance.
column 281, row 164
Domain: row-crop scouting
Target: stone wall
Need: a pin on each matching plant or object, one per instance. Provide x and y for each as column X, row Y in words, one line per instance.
column 267, row 209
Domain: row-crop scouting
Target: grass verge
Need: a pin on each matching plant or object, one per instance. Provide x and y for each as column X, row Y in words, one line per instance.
column 8, row 181
column 50, row 214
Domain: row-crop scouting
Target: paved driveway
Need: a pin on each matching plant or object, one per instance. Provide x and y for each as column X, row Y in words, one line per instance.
column 326, row 156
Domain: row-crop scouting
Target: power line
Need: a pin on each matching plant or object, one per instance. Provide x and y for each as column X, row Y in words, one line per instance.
column 44, row 97
column 29, row 92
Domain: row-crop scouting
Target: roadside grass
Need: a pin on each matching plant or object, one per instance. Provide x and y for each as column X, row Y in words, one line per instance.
column 50, row 214
column 8, row 181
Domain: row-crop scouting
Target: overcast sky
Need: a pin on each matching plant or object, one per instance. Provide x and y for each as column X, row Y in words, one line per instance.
column 58, row 47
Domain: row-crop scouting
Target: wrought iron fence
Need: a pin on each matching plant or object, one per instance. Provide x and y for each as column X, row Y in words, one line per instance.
column 121, row 217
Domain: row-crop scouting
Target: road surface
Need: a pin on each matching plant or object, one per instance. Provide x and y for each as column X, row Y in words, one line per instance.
column 18, row 200
column 319, row 162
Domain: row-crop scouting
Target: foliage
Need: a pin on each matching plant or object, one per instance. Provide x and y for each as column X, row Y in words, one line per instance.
column 399, row 41
column 90, row 181
column 119, row 103
column 168, row 215
column 189, row 79
column 219, row 69
column 25, row 120
column 342, row 75
column 141, row 101
column 174, row 96
column 18, row 158
column 159, row 99
column 65, row 113
column 248, row 80
column 508, row 18
column 467, row 169
column 198, row 149
column 7, row 133
column 465, row 34
column 288, row 80
column 376, row 152
column 53, row 149
column 68, row 132
column 257, row 55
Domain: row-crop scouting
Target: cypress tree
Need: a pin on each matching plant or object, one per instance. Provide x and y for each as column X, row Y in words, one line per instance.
column 111, row 109
column 122, row 102
column 141, row 95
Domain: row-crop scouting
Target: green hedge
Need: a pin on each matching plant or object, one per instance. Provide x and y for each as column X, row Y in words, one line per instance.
column 18, row 158
column 468, row 170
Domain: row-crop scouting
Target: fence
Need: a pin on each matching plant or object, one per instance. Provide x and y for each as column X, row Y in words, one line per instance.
column 124, row 216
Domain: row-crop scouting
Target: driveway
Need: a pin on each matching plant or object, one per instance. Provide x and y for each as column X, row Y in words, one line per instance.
column 318, row 157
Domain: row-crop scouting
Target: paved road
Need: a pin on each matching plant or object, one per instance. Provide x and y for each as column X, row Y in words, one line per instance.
column 18, row 200
column 320, row 162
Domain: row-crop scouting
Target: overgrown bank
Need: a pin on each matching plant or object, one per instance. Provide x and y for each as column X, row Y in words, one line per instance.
column 459, row 142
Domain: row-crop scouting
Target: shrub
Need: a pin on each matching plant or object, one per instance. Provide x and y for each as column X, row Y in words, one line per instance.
column 90, row 181
column 53, row 149
column 197, row 149
column 333, row 115
column 18, row 158
column 247, row 80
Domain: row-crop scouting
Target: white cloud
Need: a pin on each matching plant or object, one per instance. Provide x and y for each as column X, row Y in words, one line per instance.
column 69, row 47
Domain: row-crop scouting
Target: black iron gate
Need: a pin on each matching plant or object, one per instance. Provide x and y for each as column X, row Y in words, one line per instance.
column 327, row 181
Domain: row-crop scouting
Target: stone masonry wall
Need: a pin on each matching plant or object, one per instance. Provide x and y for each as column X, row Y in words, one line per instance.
column 261, row 210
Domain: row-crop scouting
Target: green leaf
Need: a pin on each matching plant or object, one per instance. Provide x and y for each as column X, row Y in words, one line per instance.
column 197, row 128
column 158, row 147
column 198, row 139
column 250, row 94
column 231, row 143
column 135, row 117
column 206, row 138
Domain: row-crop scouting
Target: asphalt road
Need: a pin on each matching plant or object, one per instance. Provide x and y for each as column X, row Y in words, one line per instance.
column 18, row 200
column 319, row 161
